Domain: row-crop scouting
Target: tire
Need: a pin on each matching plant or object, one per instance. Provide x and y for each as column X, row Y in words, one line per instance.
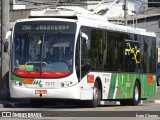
column 158, row 81
column 96, row 96
column 136, row 96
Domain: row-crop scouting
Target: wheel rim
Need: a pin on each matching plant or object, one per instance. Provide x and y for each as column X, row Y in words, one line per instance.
column 136, row 93
column 95, row 94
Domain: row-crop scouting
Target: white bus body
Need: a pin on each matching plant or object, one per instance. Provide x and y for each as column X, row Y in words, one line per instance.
column 70, row 86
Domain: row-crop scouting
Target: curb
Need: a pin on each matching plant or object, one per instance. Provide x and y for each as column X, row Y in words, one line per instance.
column 150, row 101
column 141, row 102
column 14, row 104
column 1, row 105
column 157, row 101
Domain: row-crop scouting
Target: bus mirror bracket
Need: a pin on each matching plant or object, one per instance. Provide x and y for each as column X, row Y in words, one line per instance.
column 85, row 37
column 6, row 43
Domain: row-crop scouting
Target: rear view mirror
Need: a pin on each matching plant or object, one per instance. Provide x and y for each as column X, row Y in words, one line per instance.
column 6, row 44
column 6, row 47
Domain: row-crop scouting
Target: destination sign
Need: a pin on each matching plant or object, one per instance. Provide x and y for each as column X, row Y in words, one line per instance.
column 45, row 27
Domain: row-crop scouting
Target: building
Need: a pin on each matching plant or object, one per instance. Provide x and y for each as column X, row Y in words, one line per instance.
column 142, row 14
column 153, row 3
column 149, row 19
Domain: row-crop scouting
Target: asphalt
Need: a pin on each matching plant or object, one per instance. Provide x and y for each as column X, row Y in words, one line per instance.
column 26, row 103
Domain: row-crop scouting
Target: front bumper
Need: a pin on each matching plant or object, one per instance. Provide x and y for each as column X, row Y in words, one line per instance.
column 72, row 92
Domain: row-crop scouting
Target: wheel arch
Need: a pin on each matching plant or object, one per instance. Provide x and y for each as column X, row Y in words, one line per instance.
column 98, row 80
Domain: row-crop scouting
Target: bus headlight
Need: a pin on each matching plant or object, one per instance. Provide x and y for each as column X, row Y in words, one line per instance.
column 63, row 84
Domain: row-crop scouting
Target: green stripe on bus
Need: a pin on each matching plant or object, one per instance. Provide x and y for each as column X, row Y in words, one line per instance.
column 13, row 77
column 112, row 86
column 125, row 86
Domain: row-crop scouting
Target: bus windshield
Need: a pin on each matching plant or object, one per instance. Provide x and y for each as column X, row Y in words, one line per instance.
column 43, row 49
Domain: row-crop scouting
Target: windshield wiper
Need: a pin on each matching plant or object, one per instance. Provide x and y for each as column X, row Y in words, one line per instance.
column 33, row 43
column 29, row 36
column 54, row 41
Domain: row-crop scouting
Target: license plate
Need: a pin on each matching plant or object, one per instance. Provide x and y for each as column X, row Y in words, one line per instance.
column 40, row 91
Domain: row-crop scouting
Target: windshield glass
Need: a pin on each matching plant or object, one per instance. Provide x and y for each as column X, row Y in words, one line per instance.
column 39, row 51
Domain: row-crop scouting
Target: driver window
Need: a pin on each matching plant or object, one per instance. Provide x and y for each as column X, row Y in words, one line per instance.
column 85, row 51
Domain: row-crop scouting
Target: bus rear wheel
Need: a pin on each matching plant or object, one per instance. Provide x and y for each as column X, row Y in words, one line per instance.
column 136, row 96
column 96, row 96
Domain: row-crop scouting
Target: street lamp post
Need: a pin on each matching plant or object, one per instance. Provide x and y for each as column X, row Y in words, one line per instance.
column 4, row 56
column 125, row 12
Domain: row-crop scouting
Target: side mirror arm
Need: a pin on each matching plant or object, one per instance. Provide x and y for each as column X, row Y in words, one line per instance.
column 6, row 43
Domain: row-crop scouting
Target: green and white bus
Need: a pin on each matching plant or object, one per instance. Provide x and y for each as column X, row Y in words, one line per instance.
column 72, row 54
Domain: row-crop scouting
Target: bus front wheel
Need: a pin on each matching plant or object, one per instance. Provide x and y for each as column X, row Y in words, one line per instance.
column 96, row 96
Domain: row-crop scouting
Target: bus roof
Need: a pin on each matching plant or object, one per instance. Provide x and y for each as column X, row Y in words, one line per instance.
column 85, row 18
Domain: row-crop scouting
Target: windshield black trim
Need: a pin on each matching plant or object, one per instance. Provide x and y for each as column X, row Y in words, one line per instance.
column 71, row 72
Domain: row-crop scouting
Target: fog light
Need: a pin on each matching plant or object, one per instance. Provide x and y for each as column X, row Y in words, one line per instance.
column 71, row 82
column 62, row 84
column 20, row 84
